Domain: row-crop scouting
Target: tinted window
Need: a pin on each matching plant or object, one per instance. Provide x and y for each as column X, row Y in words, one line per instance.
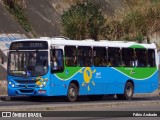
column 70, row 55
column 127, row 57
column 141, row 56
column 84, row 56
column 151, row 58
column 57, row 60
column 114, row 58
column 99, row 55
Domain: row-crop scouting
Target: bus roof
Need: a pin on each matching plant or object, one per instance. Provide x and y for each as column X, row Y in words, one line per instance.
column 90, row 42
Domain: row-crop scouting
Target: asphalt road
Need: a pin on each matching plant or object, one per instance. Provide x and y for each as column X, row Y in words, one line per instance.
column 59, row 102
column 84, row 107
column 20, row 101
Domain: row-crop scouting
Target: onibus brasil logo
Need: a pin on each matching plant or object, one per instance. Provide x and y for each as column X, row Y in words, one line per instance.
column 87, row 76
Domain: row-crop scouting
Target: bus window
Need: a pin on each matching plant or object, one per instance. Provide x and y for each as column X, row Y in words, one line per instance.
column 141, row 57
column 70, row 56
column 151, row 58
column 99, row 55
column 32, row 62
column 127, row 57
column 57, row 60
column 13, row 61
column 114, row 58
column 84, row 56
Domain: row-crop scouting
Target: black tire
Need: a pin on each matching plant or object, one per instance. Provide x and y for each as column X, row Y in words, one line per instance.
column 128, row 92
column 72, row 94
column 95, row 97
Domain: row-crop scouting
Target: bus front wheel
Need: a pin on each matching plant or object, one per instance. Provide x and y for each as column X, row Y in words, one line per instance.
column 128, row 92
column 72, row 94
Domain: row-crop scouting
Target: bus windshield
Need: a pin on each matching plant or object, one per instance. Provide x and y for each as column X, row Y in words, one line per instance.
column 28, row 63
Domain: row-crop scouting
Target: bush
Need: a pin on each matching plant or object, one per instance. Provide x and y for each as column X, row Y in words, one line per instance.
column 137, row 22
column 84, row 20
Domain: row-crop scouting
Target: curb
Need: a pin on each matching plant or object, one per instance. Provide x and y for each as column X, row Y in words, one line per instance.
column 155, row 93
column 4, row 98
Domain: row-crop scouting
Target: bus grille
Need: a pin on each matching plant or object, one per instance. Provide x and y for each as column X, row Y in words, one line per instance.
column 26, row 91
column 26, row 81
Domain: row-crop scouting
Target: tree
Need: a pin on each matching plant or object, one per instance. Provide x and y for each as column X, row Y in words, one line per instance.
column 83, row 20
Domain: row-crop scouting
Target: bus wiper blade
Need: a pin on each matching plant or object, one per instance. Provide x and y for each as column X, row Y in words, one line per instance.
column 26, row 71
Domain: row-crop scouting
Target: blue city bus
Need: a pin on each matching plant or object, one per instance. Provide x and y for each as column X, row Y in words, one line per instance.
column 71, row 68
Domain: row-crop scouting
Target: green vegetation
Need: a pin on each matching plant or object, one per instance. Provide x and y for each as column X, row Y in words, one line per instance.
column 16, row 8
column 137, row 22
column 83, row 20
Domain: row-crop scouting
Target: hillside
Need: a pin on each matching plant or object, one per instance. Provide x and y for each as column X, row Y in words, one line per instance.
column 7, row 22
column 44, row 15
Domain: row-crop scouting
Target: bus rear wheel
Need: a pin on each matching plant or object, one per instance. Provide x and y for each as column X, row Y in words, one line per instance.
column 72, row 94
column 128, row 92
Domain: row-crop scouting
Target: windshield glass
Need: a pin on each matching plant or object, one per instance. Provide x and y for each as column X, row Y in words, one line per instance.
column 28, row 63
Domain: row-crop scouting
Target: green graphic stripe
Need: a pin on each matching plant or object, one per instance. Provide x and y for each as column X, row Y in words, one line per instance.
column 137, row 73
column 136, row 46
column 68, row 72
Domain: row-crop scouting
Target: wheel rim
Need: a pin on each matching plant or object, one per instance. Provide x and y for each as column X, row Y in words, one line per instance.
column 72, row 92
column 129, row 91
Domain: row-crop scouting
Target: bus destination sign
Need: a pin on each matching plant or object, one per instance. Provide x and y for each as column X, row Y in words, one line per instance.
column 28, row 45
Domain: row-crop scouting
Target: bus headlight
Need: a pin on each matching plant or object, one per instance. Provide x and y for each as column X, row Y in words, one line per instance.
column 12, row 85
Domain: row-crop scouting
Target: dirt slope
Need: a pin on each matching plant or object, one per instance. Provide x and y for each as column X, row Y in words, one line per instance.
column 44, row 15
column 7, row 22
